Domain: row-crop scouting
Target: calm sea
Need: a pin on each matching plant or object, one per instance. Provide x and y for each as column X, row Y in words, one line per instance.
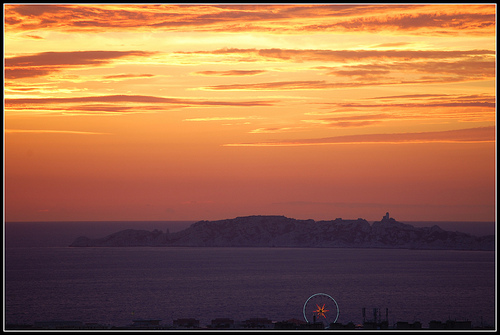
column 117, row 285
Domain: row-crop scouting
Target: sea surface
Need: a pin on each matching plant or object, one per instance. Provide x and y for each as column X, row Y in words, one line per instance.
column 49, row 281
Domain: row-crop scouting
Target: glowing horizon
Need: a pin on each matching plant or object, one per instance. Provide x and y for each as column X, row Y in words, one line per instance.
column 193, row 112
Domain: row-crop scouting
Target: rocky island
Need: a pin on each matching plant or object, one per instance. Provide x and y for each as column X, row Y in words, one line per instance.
column 280, row 231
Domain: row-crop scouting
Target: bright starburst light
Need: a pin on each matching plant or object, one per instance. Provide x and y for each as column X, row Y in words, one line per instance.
column 321, row 311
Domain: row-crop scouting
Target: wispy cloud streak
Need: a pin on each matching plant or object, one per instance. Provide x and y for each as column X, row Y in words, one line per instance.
column 469, row 135
column 45, row 63
column 231, row 73
column 361, row 68
column 221, row 118
column 343, row 56
column 424, row 19
column 46, row 131
column 118, row 104
column 134, row 98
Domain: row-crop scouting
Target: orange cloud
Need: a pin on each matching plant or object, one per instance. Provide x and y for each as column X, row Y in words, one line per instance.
column 222, row 118
column 46, row 131
column 470, row 135
column 117, row 104
column 435, row 19
column 346, row 56
column 133, row 98
column 231, row 73
column 35, row 37
column 469, row 69
column 429, row 100
column 344, row 123
column 44, row 63
column 128, row 76
column 279, row 85
column 359, row 118
column 381, row 67
column 391, row 45
column 464, row 108
column 433, row 23
column 324, row 85
column 271, row 130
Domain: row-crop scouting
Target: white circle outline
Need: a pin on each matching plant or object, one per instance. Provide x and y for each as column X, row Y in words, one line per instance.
column 312, row 296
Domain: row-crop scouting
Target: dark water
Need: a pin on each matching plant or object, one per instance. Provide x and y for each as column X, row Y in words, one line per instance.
column 117, row 285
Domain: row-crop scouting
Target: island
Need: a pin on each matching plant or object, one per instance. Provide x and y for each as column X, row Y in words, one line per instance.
column 281, row 231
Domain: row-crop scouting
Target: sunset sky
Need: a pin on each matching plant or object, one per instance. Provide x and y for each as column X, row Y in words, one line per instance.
column 194, row 112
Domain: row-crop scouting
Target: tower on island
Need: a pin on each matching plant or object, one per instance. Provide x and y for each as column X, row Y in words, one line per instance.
column 386, row 217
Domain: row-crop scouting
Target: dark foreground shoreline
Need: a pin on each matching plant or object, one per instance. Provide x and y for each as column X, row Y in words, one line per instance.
column 250, row 324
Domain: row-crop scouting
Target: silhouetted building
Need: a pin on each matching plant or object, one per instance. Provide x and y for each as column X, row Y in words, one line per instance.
column 407, row 325
column 187, row 323
column 450, row 324
column 314, row 325
column 436, row 325
column 56, row 324
column 289, row 324
column 222, row 323
column 283, row 325
column 95, row 326
column 18, row 326
column 146, row 323
column 375, row 325
column 337, row 325
column 376, row 322
column 260, row 323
